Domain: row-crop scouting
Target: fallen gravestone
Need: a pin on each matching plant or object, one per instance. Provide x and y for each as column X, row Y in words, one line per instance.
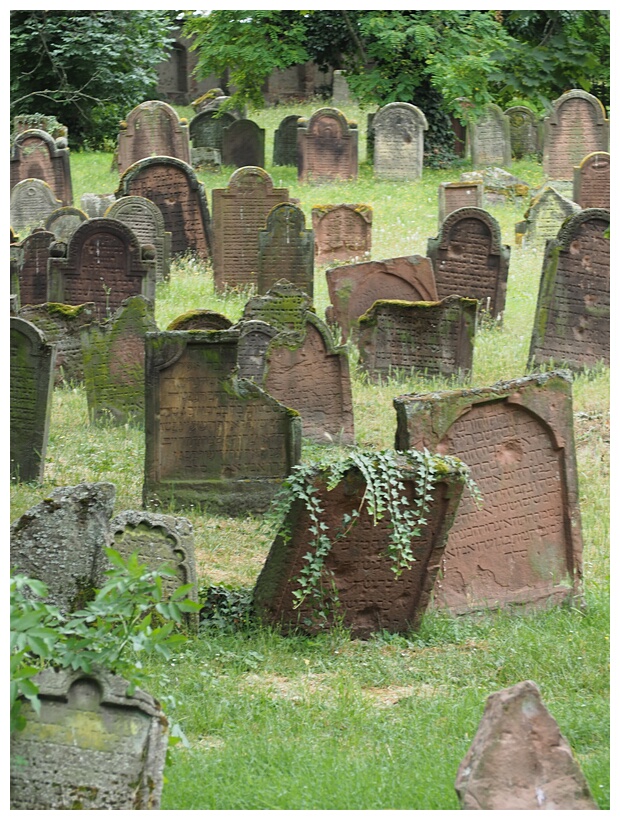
column 153, row 129
column 489, row 138
column 498, row 185
column 398, row 150
column 28, row 263
column 32, row 201
column 576, row 128
column 524, row 131
column 36, row 155
column 326, row 147
column 146, row 221
column 243, row 144
column 341, row 232
column 286, row 250
column 95, row 205
column 544, row 218
column 63, row 221
column 591, row 182
column 200, row 320
column 455, row 195
column 285, row 141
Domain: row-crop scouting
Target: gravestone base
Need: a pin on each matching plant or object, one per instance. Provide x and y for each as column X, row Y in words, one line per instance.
column 216, row 496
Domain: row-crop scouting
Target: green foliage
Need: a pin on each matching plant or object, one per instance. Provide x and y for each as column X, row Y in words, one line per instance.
column 225, row 608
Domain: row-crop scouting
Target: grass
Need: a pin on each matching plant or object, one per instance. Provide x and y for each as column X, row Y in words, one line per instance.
column 326, row 722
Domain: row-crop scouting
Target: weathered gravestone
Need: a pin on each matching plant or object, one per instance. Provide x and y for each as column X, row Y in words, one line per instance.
column 341, row 232
column 326, row 147
column 205, row 131
column 213, row 100
column 95, row 205
column 576, row 127
column 32, row 201
column 370, row 137
column 239, row 213
column 200, row 320
column 153, row 129
column 524, row 131
column 427, row 338
column 498, row 185
column 571, row 324
column 284, row 307
column 42, row 122
column 519, row 759
column 340, row 88
column 36, row 155
column 243, row 143
column 455, row 195
column 353, row 289
column 544, row 218
column 489, row 138
column 63, row 221
column 358, row 568
column 113, row 356
column 591, row 183
column 211, row 439
column 104, row 263
column 90, row 746
column 285, row 141
column 32, row 367
column 524, row 545
column 174, row 187
column 286, row 250
column 399, row 141
column 29, row 266
column 469, row 259
column 146, row 221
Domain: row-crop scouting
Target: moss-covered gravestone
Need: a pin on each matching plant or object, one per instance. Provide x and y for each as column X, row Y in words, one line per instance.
column 153, row 129
column 326, row 147
column 205, row 130
column 341, row 232
column 576, row 127
column 524, row 131
column 200, row 319
column 591, row 181
column 29, row 266
column 243, row 144
column 286, row 250
column 399, row 141
column 544, row 218
column 32, row 201
column 455, row 195
column 146, row 221
column 63, row 221
column 285, row 141
column 37, row 155
column 489, row 138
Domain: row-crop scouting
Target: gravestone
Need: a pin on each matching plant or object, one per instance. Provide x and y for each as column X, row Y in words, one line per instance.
column 42, row 122
column 206, row 128
column 399, row 141
column 571, row 324
column 213, row 100
column 423, row 338
column 489, row 138
column 371, row 597
column 499, row 185
column 341, row 232
column 32, row 201
column 63, row 221
column 544, row 218
column 519, row 759
column 286, row 250
column 174, row 187
column 340, row 88
column 469, row 259
column 243, row 144
column 146, row 221
column 524, row 127
column 591, row 183
column 353, row 289
column 285, row 141
column 284, row 307
column 32, row 366
column 153, row 129
column 62, row 541
column 212, row 440
column 90, row 746
column 113, row 356
column 524, row 545
column 455, row 195
column 28, row 263
column 370, row 137
column 200, row 320
column 36, row 155
column 576, row 127
column 103, row 263
column 239, row 213
column 326, row 147
column 95, row 205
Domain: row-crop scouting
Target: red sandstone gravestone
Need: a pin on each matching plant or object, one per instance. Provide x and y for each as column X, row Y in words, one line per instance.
column 153, row 129
column 286, row 250
column 455, row 195
column 243, row 143
column 591, row 182
column 326, row 147
column 341, row 232
column 576, row 127
column 29, row 265
column 36, row 155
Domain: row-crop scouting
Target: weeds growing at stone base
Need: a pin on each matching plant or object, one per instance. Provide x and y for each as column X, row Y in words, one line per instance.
column 326, row 722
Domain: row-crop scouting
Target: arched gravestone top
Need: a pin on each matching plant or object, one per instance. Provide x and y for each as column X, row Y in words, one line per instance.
column 29, row 265
column 327, row 147
column 205, row 129
column 147, row 222
column 591, row 181
column 63, row 221
column 153, row 128
column 489, row 138
column 243, row 143
column 200, row 319
column 285, row 141
column 316, row 124
column 36, row 155
column 286, row 249
column 342, row 232
column 576, row 127
column 32, row 201
column 398, row 147
column 524, row 125
column 598, row 108
column 471, row 213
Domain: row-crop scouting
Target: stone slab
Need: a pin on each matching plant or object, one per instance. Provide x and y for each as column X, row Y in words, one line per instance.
column 576, row 127
column 32, row 201
column 398, row 151
column 152, row 129
column 326, row 147
column 36, row 155
column 455, row 195
column 146, row 221
column 591, row 181
column 489, row 138
column 341, row 232
column 243, row 144
column 286, row 250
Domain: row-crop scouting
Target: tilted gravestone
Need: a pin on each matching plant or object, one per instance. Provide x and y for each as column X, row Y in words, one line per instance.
column 103, row 263
column 211, row 439
column 200, row 320
column 113, row 356
column 341, row 232
column 146, row 221
column 469, row 259
column 326, row 147
column 32, row 201
column 239, row 213
column 243, row 143
column 519, row 759
column 370, row 596
column 426, row 338
column 524, row 128
column 576, row 128
column 153, row 129
column 36, row 155
column 174, row 187
column 591, row 182
column 29, row 266
column 96, row 205
column 489, row 139
column 63, row 221
column 286, row 249
column 524, row 545
column 32, row 368
column 544, row 218
column 571, row 324
column 285, row 141
column 455, row 195
column 353, row 289
column 399, row 141
column 89, row 746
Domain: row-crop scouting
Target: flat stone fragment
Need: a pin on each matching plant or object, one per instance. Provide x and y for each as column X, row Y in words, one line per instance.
column 63, row 221
column 243, row 144
column 37, row 155
column 524, row 131
column 153, row 129
column 398, row 151
column 286, row 250
column 499, row 185
column 591, row 181
column 489, row 138
column 544, row 218
column 577, row 127
column 524, row 545
column 32, row 201
column 341, row 232
column 455, row 195
column 326, row 147
column 285, row 141
column 519, row 759
column 146, row 221
column 92, row 746
column 28, row 263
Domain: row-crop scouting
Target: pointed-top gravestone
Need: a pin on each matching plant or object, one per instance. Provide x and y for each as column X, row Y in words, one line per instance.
column 36, row 155
column 489, row 138
column 146, row 221
column 399, row 141
column 286, row 249
column 285, row 141
column 32, row 201
column 29, row 266
column 577, row 127
column 327, row 147
column 63, row 221
column 153, row 129
column 544, row 218
column 591, row 181
column 243, row 143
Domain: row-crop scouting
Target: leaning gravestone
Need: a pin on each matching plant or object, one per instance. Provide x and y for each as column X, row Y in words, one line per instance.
column 239, row 213
column 576, row 128
column 524, row 545
column 455, row 195
column 425, row 338
column 544, row 218
column 113, row 356
column 489, row 139
column 370, row 596
column 591, row 182
column 353, row 289
column 36, row 155
column 469, row 259
column 96, row 205
column 524, row 127
column 285, row 141
column 32, row 367
column 29, row 265
column 519, row 759
column 146, row 221
column 89, row 746
column 200, row 319
column 399, row 141
column 243, row 143
column 32, row 201
column 174, row 187
column 211, row 439
column 341, row 232
column 63, row 221
column 153, row 129
column 326, row 147
column 571, row 324
column 286, row 249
